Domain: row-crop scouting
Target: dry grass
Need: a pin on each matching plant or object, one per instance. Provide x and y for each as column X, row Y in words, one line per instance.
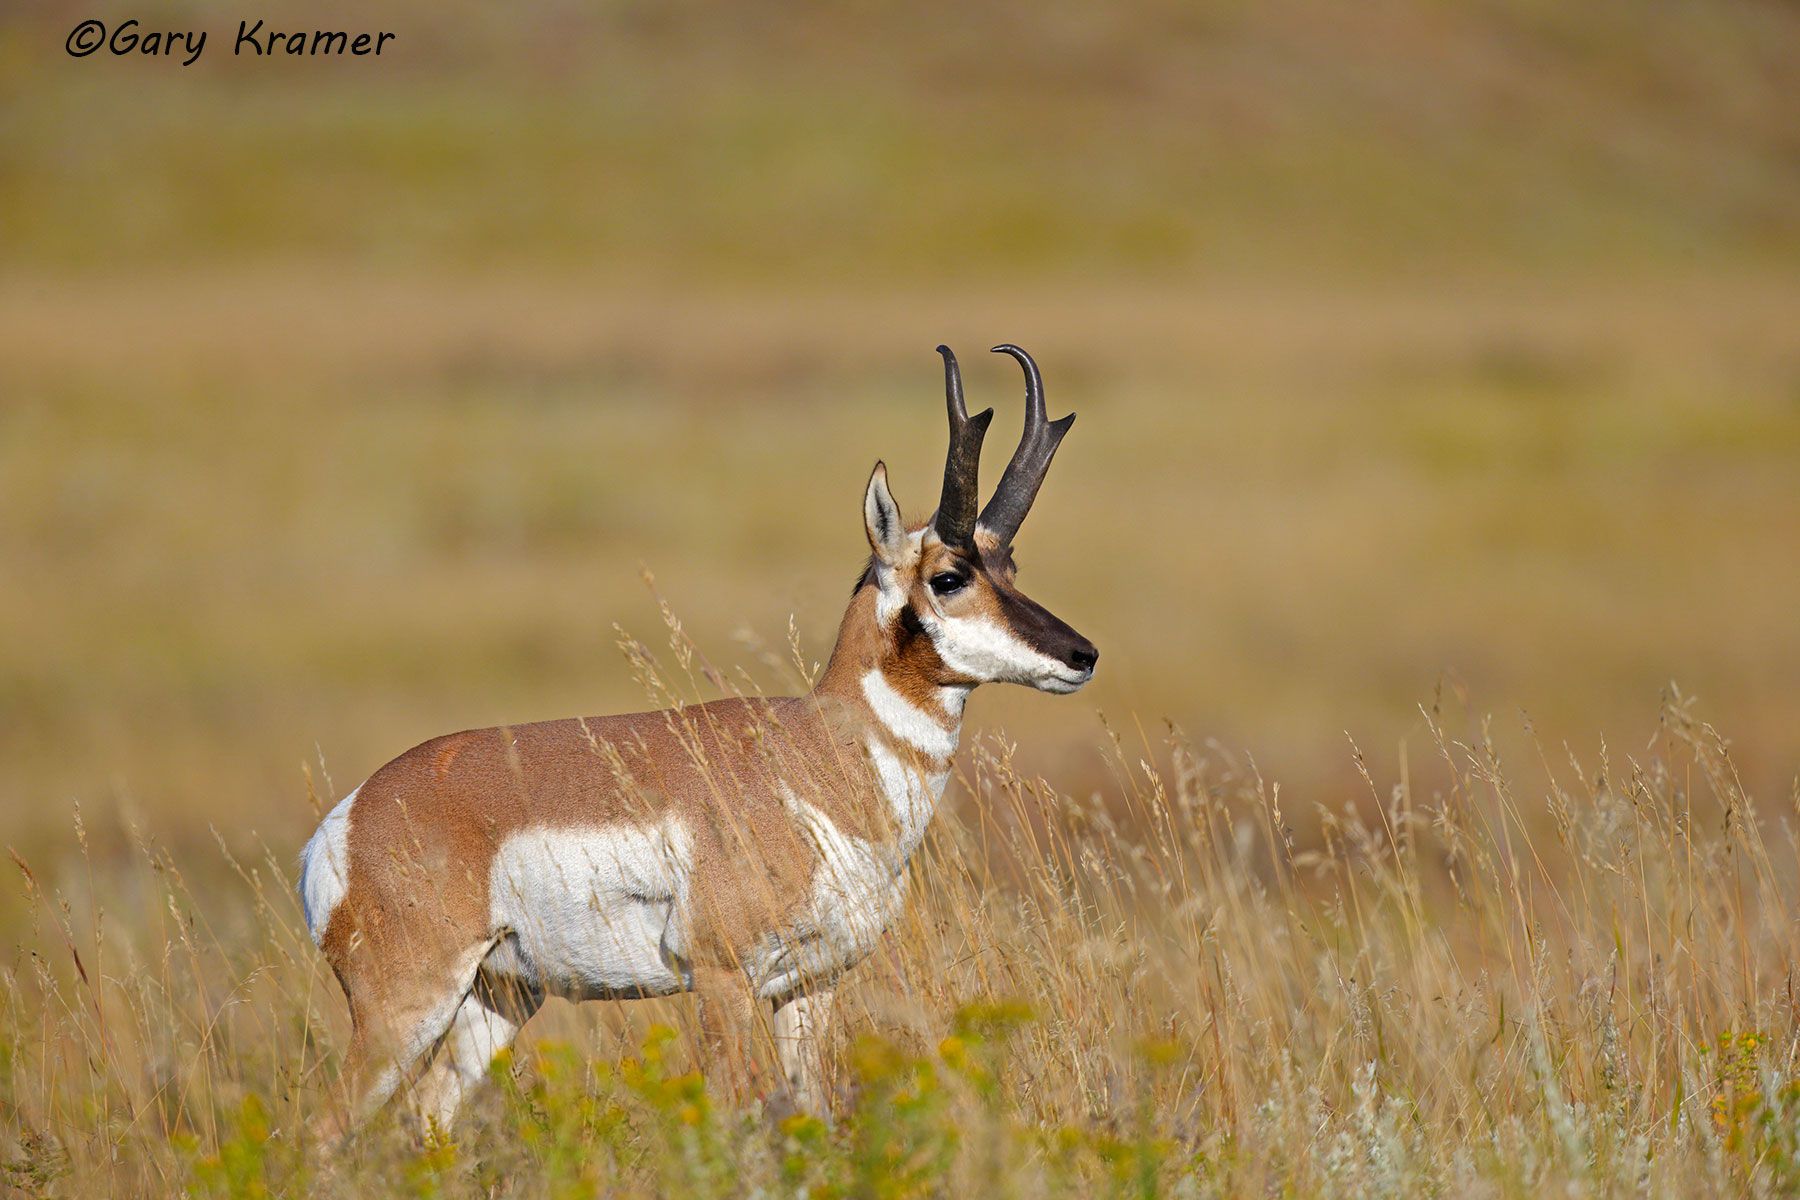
column 1420, row 350
column 1488, row 978
column 258, row 554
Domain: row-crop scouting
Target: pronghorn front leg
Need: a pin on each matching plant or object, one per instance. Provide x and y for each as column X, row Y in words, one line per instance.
column 728, row 1028
column 802, row 1034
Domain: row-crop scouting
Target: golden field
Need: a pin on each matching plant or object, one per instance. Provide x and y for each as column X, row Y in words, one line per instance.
column 1434, row 364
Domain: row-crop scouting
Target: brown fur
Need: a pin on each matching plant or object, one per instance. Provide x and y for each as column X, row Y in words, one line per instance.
column 414, row 923
column 758, row 794
column 426, row 826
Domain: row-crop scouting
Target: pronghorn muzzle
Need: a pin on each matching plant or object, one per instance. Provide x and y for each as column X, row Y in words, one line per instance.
column 1049, row 635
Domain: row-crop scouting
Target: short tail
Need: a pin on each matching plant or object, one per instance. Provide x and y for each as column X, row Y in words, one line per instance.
column 325, row 868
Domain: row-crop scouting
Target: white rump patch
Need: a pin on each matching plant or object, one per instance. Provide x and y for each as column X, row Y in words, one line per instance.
column 906, row 720
column 325, row 867
column 597, row 911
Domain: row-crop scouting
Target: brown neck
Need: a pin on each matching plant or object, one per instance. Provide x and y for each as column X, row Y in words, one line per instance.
column 861, row 646
column 905, row 657
column 889, row 682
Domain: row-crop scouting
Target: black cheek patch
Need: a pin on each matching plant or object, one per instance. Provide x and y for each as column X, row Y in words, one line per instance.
column 912, row 645
column 911, row 627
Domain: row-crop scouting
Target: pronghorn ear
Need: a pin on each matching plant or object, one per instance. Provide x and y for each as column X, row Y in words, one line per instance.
column 881, row 519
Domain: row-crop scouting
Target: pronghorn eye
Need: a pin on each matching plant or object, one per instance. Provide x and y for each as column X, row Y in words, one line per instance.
column 946, row 583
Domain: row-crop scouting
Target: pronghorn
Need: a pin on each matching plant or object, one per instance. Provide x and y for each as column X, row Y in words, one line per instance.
column 748, row 850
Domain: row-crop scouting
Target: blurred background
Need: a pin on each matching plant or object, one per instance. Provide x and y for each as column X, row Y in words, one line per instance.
column 1425, row 354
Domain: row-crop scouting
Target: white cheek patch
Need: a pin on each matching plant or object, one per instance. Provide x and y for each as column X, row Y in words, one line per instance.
column 906, row 720
column 980, row 648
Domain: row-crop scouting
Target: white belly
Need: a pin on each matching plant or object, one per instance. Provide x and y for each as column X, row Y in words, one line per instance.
column 595, row 912
column 598, row 913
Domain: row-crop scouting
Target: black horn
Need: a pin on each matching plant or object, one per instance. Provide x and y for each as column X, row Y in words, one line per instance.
column 1005, row 512
column 955, row 520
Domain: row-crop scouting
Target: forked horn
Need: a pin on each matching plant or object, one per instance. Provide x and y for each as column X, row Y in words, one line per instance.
column 955, row 520
column 1024, row 475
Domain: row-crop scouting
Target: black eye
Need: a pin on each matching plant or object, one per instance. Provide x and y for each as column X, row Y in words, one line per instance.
column 946, row 583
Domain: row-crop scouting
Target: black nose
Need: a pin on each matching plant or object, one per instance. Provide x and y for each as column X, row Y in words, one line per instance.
column 1083, row 657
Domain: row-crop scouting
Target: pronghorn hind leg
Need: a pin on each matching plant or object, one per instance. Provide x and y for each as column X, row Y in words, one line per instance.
column 802, row 1035
column 376, row 1065
column 486, row 1022
column 392, row 1030
column 360, row 1079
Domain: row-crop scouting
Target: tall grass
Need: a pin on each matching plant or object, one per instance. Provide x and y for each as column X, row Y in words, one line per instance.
column 1479, row 977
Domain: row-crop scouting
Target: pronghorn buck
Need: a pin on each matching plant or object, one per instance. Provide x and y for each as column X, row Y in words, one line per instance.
column 748, row 850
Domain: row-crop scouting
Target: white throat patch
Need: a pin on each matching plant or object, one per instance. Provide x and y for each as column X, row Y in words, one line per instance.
column 912, row 792
column 907, row 721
